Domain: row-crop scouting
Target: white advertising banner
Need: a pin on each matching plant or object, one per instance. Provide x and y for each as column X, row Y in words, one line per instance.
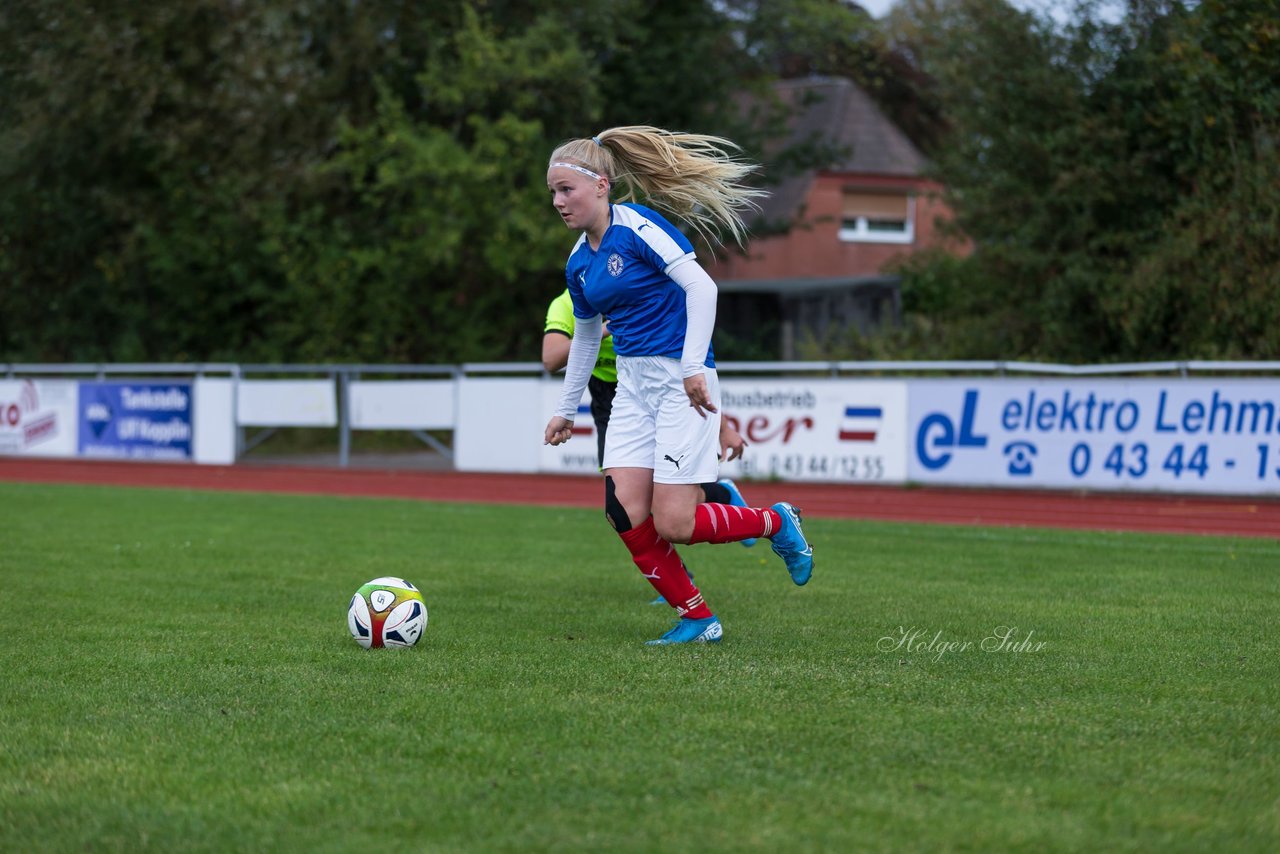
column 500, row 423
column 39, row 418
column 402, row 404
column 214, row 442
column 578, row 455
column 848, row 431
column 1174, row 435
column 286, row 403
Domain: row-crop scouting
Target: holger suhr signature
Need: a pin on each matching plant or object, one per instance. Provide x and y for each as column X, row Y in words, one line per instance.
column 921, row 640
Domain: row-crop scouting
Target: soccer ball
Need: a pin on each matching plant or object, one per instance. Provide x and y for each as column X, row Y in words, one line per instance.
column 387, row 612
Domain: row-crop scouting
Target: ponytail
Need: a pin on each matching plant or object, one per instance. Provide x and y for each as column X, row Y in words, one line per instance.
column 687, row 174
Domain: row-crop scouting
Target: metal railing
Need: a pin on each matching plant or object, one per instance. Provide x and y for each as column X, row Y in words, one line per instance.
column 343, row 374
column 12, row 370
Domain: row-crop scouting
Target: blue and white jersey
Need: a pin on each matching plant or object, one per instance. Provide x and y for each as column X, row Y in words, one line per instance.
column 627, row 281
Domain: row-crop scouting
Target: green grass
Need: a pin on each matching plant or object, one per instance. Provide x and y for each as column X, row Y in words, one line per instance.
column 176, row 673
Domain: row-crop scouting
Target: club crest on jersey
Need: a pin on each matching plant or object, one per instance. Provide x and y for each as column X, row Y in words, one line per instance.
column 615, row 265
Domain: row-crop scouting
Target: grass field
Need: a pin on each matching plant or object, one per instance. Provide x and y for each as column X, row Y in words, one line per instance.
column 176, row 673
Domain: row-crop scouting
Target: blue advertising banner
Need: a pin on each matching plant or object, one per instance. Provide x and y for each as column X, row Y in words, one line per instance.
column 1174, row 435
column 135, row 420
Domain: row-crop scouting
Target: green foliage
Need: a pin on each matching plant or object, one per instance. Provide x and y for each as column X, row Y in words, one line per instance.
column 1209, row 285
column 1117, row 179
column 144, row 148
column 305, row 180
column 312, row 181
column 443, row 223
column 837, row 38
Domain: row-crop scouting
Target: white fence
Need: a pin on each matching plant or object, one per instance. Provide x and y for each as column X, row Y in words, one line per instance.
column 1195, row 427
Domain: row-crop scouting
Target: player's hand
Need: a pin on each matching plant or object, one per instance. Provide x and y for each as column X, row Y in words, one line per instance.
column 558, row 431
column 699, row 398
column 731, row 443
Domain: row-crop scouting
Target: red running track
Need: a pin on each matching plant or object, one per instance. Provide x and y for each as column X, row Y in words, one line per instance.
column 1245, row 517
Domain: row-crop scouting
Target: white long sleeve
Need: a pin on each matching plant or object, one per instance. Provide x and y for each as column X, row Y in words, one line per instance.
column 700, row 304
column 583, row 351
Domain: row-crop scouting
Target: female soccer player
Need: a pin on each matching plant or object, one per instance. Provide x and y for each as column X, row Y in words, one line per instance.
column 633, row 265
column 603, row 385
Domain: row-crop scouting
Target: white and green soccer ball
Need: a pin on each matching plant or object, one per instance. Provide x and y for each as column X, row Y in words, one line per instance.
column 387, row 612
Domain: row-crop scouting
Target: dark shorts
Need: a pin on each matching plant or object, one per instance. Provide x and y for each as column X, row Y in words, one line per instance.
column 601, row 405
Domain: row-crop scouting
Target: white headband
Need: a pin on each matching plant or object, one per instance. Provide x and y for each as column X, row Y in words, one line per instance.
column 576, row 168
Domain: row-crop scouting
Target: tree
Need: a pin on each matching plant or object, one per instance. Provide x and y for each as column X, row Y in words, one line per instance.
column 837, row 38
column 140, row 150
column 435, row 237
column 1208, row 284
column 313, row 180
column 1084, row 160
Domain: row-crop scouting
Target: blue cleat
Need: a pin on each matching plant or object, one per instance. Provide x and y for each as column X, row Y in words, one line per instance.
column 707, row 630
column 790, row 545
column 736, row 500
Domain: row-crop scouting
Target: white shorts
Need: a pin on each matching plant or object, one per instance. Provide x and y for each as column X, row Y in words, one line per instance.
column 652, row 425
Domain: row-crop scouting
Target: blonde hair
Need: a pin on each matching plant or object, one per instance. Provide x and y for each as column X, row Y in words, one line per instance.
column 688, row 174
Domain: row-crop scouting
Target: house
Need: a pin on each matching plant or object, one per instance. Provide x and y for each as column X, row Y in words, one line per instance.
column 826, row 236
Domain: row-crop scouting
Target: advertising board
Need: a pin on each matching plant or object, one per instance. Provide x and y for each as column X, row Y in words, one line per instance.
column 135, row 420
column 1175, row 435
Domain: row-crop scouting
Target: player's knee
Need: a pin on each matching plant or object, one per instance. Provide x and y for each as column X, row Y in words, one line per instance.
column 613, row 509
column 674, row 528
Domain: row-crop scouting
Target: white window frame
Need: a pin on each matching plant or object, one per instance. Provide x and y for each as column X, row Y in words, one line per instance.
column 862, row 232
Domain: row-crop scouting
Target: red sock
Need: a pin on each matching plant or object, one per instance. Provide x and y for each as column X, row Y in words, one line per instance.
column 724, row 523
column 659, row 563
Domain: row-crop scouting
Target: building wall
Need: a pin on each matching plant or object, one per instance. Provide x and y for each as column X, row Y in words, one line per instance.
column 813, row 248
